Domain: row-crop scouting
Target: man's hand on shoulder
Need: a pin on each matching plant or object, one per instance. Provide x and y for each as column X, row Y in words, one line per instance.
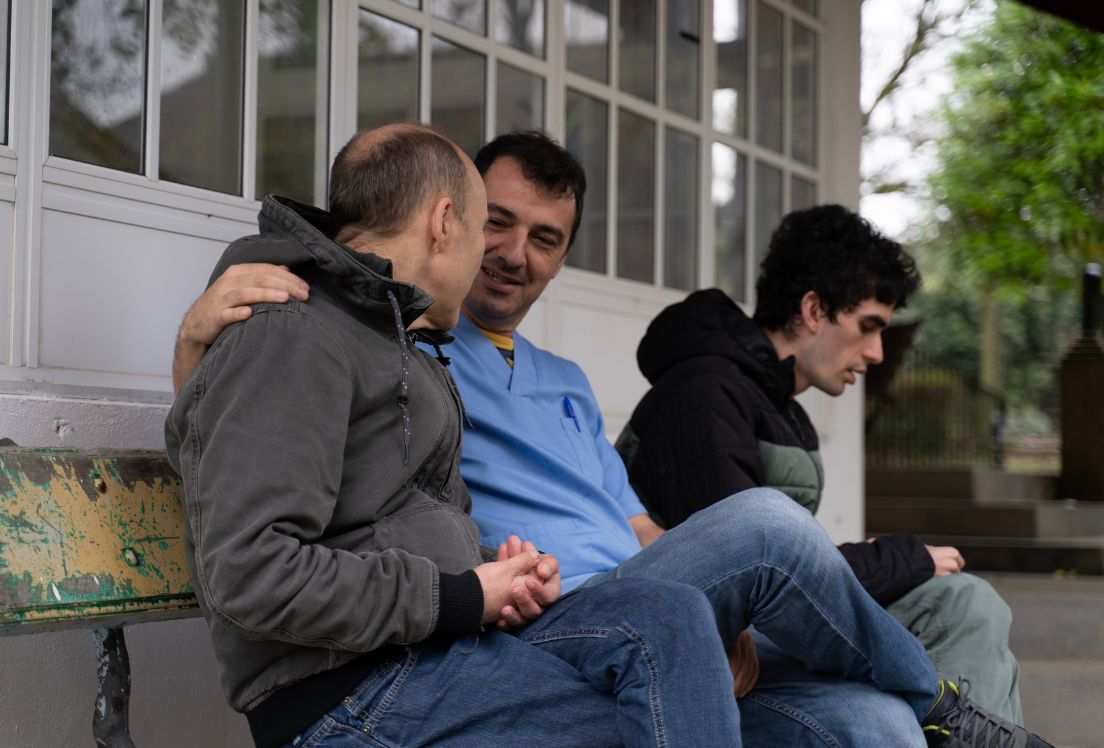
column 228, row 301
column 947, row 559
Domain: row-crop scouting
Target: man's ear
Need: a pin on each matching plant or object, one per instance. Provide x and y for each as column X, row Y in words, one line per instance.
column 442, row 220
column 813, row 314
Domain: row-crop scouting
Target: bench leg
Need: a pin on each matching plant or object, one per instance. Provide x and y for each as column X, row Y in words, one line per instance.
column 111, row 717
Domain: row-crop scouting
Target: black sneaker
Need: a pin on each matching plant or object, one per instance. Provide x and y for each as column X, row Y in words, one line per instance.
column 957, row 722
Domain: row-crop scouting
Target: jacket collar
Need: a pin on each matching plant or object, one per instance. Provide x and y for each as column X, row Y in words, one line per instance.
column 360, row 278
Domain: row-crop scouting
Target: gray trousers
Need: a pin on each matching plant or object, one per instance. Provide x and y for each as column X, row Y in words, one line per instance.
column 964, row 624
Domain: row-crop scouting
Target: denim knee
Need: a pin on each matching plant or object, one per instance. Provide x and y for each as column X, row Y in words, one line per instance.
column 765, row 510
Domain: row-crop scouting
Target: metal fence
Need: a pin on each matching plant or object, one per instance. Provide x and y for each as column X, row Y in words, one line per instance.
column 928, row 417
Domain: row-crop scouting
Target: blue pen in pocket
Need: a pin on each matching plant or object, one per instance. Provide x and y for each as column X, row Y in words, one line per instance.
column 569, row 410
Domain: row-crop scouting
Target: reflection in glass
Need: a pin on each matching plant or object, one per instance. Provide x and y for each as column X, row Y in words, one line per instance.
column 683, row 66
column 97, row 82
column 457, row 107
column 803, row 139
column 519, row 102
column 520, row 23
column 730, row 94
column 636, row 138
column 809, row 6
column 768, row 206
column 730, row 220
column 292, row 49
column 586, row 29
column 768, row 78
column 471, row 14
column 201, row 93
column 638, row 50
column 387, row 72
column 803, row 193
column 586, row 137
column 680, row 212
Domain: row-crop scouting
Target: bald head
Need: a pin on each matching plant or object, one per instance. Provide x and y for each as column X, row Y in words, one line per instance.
column 381, row 178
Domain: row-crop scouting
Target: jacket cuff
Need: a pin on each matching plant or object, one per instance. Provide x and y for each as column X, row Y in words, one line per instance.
column 460, row 605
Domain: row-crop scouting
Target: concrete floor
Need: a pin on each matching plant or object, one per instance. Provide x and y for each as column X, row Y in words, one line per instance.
column 1058, row 637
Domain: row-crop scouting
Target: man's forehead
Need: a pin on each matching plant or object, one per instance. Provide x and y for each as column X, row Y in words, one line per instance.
column 874, row 311
column 509, row 190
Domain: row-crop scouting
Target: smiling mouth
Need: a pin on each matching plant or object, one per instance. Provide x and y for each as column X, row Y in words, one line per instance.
column 500, row 279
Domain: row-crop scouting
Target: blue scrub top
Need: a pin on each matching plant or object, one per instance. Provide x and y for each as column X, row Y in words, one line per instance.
column 538, row 466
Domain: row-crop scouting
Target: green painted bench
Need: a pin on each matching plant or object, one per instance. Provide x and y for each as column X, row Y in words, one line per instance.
column 92, row 539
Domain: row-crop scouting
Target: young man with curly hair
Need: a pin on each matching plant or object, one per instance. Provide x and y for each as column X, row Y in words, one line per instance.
column 721, row 418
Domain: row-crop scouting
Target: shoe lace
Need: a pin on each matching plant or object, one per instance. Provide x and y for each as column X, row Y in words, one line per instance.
column 973, row 725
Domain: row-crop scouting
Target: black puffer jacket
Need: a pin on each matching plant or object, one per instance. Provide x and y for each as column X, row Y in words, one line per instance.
column 721, row 418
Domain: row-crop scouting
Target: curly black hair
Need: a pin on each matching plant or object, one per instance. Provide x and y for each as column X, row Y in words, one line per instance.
column 543, row 161
column 839, row 255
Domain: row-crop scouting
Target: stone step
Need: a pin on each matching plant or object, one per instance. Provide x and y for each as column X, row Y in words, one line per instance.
column 1014, row 519
column 978, row 484
column 1080, row 555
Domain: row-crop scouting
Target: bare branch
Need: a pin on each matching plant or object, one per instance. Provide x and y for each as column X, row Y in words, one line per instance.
column 930, row 23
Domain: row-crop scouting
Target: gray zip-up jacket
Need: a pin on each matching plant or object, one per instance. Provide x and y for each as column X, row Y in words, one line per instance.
column 319, row 449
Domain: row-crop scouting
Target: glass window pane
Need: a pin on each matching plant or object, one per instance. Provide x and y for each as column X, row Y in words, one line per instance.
column 97, row 82
column 457, row 106
column 387, row 72
column 809, row 6
column 586, row 28
column 730, row 220
column 768, row 78
column 768, row 206
column 520, row 23
column 680, row 212
column 803, row 141
column 292, row 54
column 638, row 49
column 471, row 14
column 201, row 94
column 730, row 102
column 803, row 193
column 586, row 137
column 683, row 43
column 519, row 100
column 636, row 138
column 412, row 3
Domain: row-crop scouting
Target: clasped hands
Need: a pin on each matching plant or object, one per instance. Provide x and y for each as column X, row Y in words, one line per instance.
column 519, row 586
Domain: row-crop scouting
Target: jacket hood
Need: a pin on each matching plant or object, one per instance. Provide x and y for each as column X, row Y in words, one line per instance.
column 709, row 323
column 298, row 235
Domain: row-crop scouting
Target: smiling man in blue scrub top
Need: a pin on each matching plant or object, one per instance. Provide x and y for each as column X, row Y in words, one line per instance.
column 835, row 668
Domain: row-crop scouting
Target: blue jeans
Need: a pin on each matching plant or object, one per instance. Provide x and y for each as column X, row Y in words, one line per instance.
column 633, row 662
column 763, row 560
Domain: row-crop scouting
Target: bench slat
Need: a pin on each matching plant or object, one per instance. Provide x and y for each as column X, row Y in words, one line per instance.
column 90, row 538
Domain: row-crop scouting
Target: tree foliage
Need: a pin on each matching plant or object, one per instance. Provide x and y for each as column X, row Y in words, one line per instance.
column 1020, row 176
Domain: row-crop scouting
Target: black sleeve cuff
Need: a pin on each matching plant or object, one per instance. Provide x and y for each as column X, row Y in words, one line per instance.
column 460, row 606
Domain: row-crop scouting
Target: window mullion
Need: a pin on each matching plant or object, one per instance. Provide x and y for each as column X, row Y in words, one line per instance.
column 706, row 256
column 345, row 23
column 660, row 143
column 153, row 90
column 425, row 75
column 555, row 94
column 249, row 102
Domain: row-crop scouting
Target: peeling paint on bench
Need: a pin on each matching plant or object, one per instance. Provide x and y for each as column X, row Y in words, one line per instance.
column 89, row 538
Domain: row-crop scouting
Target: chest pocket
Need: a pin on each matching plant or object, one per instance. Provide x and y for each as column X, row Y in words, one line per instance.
column 583, row 445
